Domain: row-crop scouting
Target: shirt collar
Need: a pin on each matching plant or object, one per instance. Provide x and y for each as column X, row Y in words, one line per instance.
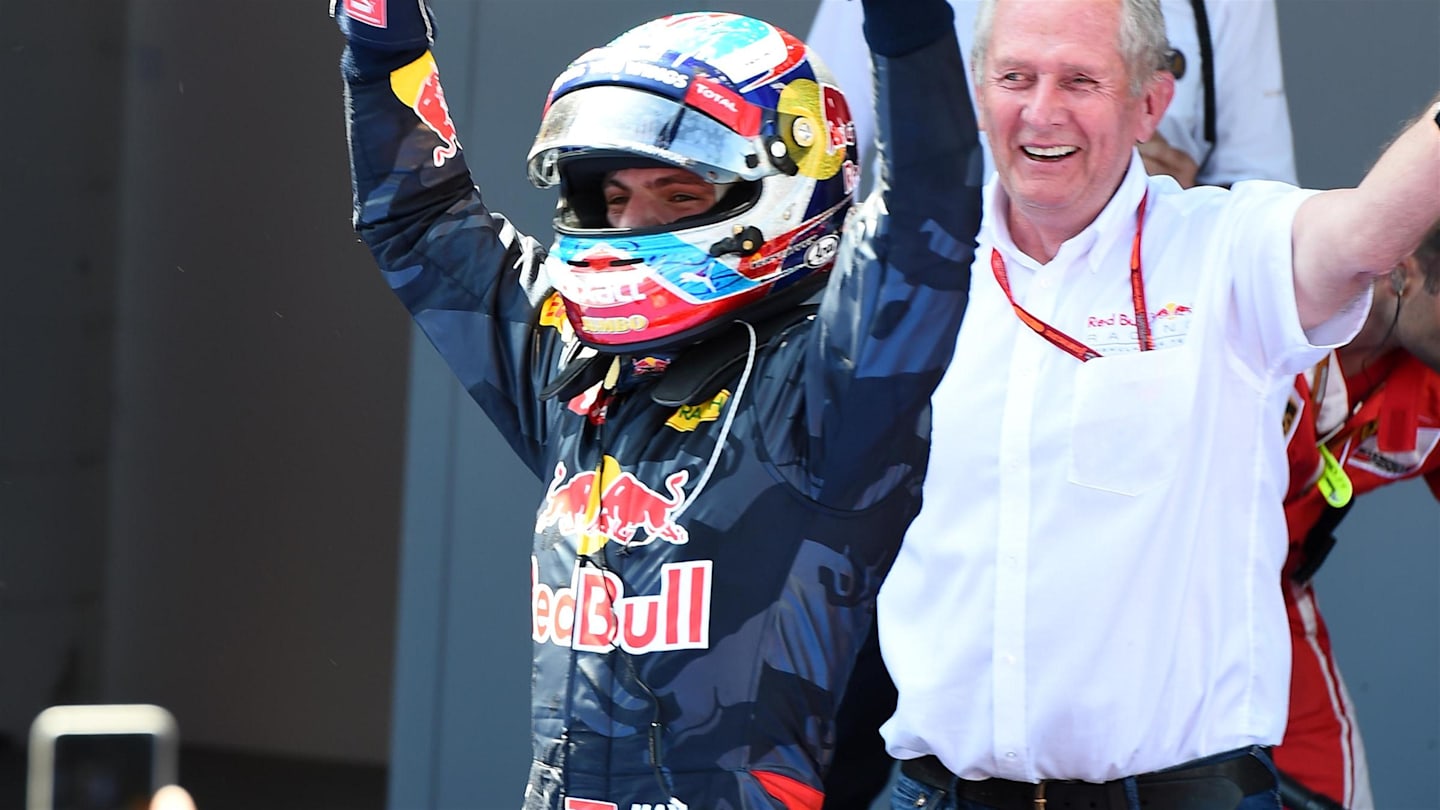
column 1091, row 245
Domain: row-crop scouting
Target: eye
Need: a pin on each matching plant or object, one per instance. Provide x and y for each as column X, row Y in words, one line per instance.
column 613, row 200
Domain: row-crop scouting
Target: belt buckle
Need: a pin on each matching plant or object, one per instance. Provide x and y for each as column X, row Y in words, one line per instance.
column 1040, row 794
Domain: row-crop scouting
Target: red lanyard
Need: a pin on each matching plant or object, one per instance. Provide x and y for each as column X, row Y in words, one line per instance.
column 1066, row 343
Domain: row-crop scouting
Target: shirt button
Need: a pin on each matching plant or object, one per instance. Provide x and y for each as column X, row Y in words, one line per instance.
column 1009, row 754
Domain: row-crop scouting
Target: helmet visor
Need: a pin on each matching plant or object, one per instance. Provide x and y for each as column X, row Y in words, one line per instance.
column 606, row 119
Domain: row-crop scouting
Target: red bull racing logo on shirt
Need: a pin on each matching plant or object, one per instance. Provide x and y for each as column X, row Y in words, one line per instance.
column 1114, row 332
column 593, row 614
column 598, row 506
column 418, row 85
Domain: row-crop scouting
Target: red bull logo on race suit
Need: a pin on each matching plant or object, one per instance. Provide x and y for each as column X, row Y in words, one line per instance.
column 593, row 613
column 418, row 85
column 598, row 506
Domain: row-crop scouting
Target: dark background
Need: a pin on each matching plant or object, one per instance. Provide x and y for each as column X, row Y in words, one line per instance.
column 233, row 484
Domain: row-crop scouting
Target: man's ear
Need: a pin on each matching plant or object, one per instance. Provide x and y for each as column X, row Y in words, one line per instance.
column 1408, row 276
column 1400, row 275
column 1155, row 99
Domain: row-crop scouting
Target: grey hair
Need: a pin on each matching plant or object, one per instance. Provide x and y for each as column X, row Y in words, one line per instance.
column 1143, row 45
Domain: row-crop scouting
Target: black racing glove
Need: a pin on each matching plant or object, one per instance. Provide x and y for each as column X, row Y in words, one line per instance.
column 897, row 27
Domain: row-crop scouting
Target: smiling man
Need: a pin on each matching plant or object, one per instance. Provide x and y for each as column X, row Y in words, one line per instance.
column 1101, row 535
column 1061, row 114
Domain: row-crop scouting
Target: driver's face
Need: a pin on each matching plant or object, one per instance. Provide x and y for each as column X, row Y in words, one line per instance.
column 644, row 198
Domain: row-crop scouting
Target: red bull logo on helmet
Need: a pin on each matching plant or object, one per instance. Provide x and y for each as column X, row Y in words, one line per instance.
column 598, row 506
column 593, row 613
column 839, row 126
column 418, row 85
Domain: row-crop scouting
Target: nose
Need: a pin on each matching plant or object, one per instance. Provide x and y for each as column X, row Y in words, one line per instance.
column 1045, row 106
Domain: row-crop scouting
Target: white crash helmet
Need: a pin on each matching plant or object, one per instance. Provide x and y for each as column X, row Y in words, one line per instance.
column 738, row 102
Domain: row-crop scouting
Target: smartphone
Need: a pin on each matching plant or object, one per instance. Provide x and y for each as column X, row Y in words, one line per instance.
column 101, row 757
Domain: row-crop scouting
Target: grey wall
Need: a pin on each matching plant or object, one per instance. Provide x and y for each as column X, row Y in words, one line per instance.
column 256, row 430
column 203, row 380
column 57, row 314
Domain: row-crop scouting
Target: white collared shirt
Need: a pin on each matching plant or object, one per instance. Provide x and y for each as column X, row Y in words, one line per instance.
column 1092, row 587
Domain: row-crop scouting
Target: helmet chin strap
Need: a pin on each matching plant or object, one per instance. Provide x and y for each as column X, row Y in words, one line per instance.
column 730, row 411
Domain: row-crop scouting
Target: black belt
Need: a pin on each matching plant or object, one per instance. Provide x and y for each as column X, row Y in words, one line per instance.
column 1212, row 786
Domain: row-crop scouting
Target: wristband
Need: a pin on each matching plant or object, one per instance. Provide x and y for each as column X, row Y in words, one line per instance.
column 385, row 25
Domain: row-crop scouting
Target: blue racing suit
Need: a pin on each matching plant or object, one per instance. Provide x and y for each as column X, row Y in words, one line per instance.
column 713, row 527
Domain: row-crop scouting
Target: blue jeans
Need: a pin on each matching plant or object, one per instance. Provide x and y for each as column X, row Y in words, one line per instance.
column 911, row 795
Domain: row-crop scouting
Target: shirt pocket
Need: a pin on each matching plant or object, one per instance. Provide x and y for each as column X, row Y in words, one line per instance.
column 1130, row 420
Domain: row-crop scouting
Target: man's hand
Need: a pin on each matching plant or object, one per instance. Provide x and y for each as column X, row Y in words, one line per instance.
column 1162, row 158
column 172, row 797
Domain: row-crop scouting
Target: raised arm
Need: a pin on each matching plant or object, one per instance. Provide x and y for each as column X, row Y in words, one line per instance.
column 893, row 306
column 1344, row 238
column 471, row 282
